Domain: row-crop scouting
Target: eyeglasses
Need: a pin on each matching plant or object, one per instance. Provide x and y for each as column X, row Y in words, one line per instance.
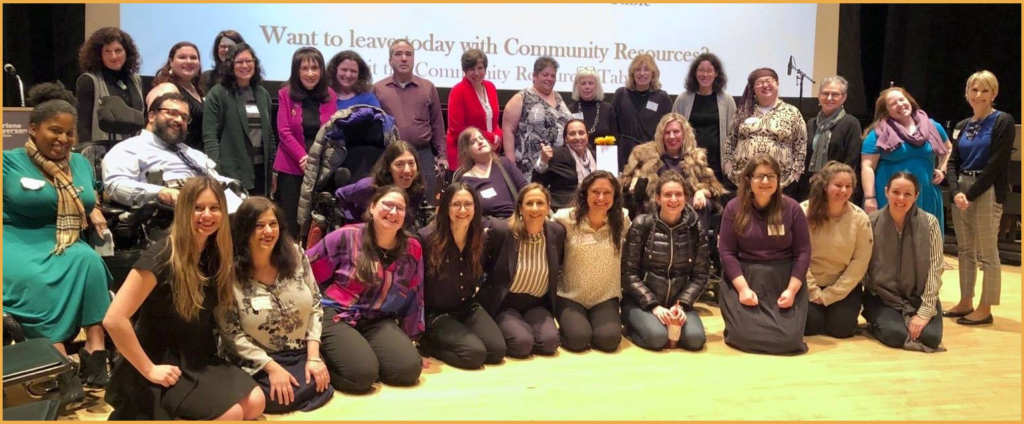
column 461, row 205
column 245, row 62
column 764, row 82
column 174, row 114
column 391, row 206
column 763, row 177
column 706, row 71
column 830, row 95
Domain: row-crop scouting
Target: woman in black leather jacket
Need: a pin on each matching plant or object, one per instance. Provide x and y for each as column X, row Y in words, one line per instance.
column 664, row 270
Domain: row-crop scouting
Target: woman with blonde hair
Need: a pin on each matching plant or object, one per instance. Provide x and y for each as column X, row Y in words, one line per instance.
column 639, row 105
column 169, row 368
column 524, row 255
column 841, row 244
column 981, row 158
column 589, row 106
column 674, row 148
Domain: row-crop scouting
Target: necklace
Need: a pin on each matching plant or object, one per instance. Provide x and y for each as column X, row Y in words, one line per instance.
column 974, row 127
column 597, row 116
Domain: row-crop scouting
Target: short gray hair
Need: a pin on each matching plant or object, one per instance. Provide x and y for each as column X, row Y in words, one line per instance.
column 835, row 79
column 583, row 73
column 391, row 48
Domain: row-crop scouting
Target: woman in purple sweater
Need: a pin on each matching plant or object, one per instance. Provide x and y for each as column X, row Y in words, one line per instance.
column 306, row 103
column 765, row 249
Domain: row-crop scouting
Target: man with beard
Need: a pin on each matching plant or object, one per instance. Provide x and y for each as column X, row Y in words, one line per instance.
column 154, row 163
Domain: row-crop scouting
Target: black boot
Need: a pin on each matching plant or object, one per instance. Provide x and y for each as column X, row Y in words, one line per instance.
column 94, row 369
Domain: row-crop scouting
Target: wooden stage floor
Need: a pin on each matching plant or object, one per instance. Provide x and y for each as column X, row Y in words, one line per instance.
column 978, row 378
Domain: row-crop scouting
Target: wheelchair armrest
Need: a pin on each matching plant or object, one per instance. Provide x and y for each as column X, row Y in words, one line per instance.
column 112, row 210
column 12, row 330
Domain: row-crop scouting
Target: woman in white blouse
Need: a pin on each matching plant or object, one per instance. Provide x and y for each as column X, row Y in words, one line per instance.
column 272, row 329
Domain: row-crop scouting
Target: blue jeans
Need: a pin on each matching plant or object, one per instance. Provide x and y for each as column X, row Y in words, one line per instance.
column 646, row 331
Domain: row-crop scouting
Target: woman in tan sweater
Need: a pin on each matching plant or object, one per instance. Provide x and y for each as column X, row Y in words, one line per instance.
column 841, row 242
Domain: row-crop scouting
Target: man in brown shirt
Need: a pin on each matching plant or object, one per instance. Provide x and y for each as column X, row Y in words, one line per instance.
column 416, row 107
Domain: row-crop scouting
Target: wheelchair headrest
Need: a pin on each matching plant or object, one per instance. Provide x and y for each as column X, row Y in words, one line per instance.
column 116, row 117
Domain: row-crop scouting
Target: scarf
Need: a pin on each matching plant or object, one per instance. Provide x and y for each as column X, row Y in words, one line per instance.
column 71, row 219
column 748, row 100
column 584, row 165
column 891, row 134
column 898, row 269
column 822, row 138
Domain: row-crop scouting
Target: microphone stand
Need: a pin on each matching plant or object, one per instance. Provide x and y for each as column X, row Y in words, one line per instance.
column 801, row 76
column 21, row 90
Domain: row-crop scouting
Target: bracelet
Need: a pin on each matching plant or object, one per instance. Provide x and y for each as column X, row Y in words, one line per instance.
column 311, row 359
column 870, row 198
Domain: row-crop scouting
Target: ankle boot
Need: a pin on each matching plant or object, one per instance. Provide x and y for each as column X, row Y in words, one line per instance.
column 94, row 368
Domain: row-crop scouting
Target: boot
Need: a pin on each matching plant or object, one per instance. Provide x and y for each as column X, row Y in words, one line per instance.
column 94, row 369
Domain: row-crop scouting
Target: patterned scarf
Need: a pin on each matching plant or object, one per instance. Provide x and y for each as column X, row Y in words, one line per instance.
column 891, row 134
column 71, row 219
column 822, row 138
column 584, row 165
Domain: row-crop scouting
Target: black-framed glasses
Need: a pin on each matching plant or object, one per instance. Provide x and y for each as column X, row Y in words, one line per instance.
column 764, row 177
column 174, row 114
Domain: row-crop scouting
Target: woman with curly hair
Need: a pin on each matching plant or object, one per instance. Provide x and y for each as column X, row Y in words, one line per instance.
column 110, row 67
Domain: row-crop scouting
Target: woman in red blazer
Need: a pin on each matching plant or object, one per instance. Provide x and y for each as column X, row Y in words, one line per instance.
column 306, row 103
column 473, row 102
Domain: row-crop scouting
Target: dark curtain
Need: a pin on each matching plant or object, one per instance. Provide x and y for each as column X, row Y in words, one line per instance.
column 42, row 42
column 929, row 49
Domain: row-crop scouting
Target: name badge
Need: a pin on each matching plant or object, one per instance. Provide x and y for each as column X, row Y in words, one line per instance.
column 252, row 109
column 652, row 105
column 956, row 134
column 750, row 121
column 489, row 193
column 587, row 239
column 32, row 183
column 261, row 303
column 776, row 230
column 577, row 115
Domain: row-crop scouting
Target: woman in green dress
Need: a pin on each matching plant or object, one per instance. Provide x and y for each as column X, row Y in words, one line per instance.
column 54, row 282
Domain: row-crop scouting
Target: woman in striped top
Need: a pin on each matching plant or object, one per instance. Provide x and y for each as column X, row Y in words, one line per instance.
column 524, row 255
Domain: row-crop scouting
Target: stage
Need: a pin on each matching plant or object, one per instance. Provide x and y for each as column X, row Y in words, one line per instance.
column 978, row 378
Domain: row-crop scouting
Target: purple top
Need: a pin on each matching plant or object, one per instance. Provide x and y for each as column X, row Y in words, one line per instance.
column 495, row 197
column 757, row 246
column 354, row 198
column 399, row 293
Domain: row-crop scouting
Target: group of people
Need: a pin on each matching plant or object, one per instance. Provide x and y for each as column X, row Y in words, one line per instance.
column 234, row 319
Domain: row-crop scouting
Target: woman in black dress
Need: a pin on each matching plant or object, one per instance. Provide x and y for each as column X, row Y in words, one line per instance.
column 169, row 367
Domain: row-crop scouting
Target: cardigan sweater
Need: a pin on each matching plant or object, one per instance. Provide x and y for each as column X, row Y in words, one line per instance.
column 997, row 168
column 464, row 111
column 292, row 146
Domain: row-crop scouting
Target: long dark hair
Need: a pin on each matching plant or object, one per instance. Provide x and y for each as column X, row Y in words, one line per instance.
column 745, row 195
column 817, row 202
column 442, row 242
column 615, row 219
column 296, row 90
column 381, row 171
column 164, row 74
column 227, row 70
column 243, row 224
column 691, row 76
column 90, row 56
column 229, row 34
column 370, row 257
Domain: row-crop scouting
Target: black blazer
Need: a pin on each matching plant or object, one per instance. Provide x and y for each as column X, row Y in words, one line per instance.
column 501, row 257
column 560, row 178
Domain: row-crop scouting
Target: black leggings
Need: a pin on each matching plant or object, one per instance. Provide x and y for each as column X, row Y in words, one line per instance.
column 287, row 195
column 357, row 357
column 599, row 327
column 838, row 320
column 466, row 338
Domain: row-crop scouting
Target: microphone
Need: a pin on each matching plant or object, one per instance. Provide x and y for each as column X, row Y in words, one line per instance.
column 789, row 68
column 9, row 69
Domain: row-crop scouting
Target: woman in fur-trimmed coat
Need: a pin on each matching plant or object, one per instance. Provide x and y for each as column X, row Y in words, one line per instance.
column 674, row 147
